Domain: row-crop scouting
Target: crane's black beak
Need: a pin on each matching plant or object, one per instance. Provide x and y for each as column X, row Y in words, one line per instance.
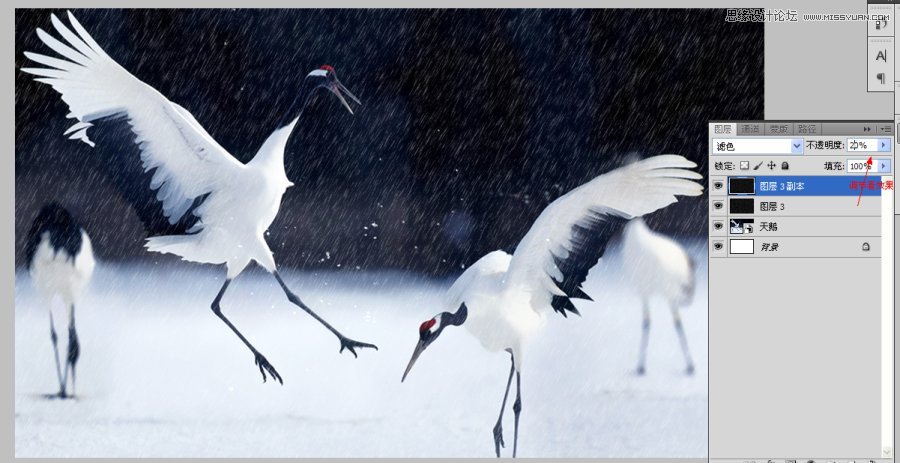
column 420, row 347
column 339, row 91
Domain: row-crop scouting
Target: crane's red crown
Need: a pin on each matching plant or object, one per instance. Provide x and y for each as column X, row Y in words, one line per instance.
column 426, row 325
column 327, row 68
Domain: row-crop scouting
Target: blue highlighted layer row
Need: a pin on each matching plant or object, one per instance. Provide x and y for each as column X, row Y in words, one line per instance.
column 811, row 185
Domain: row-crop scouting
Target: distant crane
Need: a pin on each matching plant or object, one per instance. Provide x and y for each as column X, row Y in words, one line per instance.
column 217, row 209
column 504, row 299
column 60, row 262
column 658, row 266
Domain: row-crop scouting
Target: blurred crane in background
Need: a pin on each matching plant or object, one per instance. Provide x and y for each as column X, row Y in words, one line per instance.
column 60, row 263
column 657, row 265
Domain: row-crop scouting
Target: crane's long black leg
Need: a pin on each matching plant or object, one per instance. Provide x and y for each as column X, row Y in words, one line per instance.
column 259, row 359
column 645, row 338
column 54, row 338
column 517, row 408
column 676, row 317
column 346, row 343
column 74, row 350
column 498, row 428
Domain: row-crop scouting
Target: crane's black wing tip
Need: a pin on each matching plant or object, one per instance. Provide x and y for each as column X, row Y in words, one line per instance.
column 589, row 239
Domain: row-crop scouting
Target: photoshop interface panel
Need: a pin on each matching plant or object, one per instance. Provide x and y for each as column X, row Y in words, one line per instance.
column 801, row 228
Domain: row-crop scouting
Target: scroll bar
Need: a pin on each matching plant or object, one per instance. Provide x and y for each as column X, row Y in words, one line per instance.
column 887, row 322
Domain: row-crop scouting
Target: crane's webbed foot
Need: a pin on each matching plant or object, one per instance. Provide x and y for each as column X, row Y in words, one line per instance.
column 351, row 345
column 266, row 367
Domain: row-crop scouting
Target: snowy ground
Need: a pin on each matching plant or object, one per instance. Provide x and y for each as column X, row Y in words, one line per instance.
column 161, row 376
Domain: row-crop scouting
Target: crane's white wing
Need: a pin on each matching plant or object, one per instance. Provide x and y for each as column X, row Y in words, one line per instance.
column 570, row 236
column 188, row 162
column 492, row 263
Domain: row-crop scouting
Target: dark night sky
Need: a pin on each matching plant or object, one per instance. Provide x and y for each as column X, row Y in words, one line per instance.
column 473, row 120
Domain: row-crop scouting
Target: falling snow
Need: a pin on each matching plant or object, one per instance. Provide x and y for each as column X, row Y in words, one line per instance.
column 472, row 122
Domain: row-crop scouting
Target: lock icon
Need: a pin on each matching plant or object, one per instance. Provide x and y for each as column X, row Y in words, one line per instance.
column 785, row 166
column 866, row 246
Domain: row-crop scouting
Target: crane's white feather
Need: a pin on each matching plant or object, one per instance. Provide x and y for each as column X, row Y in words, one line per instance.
column 492, row 263
column 498, row 319
column 188, row 162
column 56, row 273
column 237, row 202
column 630, row 191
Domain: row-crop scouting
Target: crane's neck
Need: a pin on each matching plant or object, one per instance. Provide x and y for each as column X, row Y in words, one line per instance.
column 312, row 82
column 271, row 154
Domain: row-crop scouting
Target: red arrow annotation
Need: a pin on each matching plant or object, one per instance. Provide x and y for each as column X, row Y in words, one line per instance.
column 868, row 166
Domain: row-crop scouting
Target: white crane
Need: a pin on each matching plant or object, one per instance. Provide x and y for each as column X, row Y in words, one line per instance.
column 658, row 266
column 60, row 262
column 504, row 299
column 217, row 209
